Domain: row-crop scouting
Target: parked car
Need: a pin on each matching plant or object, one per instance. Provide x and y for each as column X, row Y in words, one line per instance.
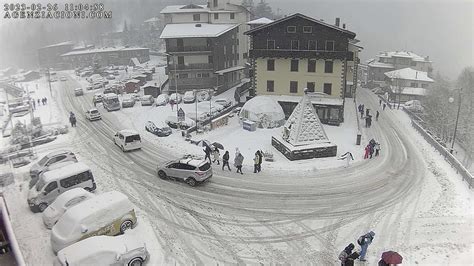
column 53, row 183
column 108, row 89
column 147, row 100
column 203, row 96
column 160, row 132
column 110, row 77
column 127, row 101
column 188, row 169
column 63, row 202
column 53, row 79
column 98, row 97
column 413, row 105
column 135, row 96
column 173, row 122
column 127, row 140
column 97, row 85
column 50, row 159
column 78, row 92
column 104, row 250
column 93, row 114
column 89, row 87
column 63, row 78
column 224, row 102
column 175, row 98
column 110, row 213
column 189, row 97
column 162, row 99
column 54, row 166
column 116, row 73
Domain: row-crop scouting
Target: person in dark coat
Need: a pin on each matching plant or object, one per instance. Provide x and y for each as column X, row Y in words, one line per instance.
column 377, row 116
column 345, row 253
column 238, row 161
column 260, row 160
column 207, row 151
column 72, row 119
column 383, row 106
column 367, row 112
column 380, row 101
column 225, row 160
column 350, row 259
column 364, row 242
column 38, row 102
column 255, row 163
column 370, row 120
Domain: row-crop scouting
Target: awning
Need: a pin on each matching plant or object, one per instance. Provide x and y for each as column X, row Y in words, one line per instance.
column 230, row 69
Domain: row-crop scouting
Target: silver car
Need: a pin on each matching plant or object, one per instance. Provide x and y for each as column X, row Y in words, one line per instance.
column 48, row 160
column 188, row 169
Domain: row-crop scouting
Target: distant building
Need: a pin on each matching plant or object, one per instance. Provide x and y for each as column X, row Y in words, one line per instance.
column 105, row 56
column 50, row 56
column 205, row 44
column 407, row 84
column 388, row 61
column 259, row 22
column 298, row 52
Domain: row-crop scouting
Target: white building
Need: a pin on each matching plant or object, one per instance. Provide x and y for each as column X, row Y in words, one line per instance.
column 407, row 84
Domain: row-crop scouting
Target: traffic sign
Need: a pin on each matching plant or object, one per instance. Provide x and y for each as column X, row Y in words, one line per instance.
column 181, row 114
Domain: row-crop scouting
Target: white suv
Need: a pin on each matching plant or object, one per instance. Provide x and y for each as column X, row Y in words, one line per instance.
column 127, row 140
column 93, row 114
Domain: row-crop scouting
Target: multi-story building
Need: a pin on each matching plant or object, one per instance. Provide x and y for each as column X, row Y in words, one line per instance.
column 105, row 56
column 407, row 84
column 388, row 61
column 205, row 44
column 50, row 56
column 298, row 52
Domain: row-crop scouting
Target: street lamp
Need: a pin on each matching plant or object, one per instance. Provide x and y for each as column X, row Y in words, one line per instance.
column 451, row 100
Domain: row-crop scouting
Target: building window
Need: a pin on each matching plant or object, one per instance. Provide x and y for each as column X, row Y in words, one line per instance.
column 271, row 64
column 295, row 45
column 328, row 88
column 413, row 63
column 310, row 86
column 225, row 50
column 293, row 86
column 245, row 55
column 197, row 17
column 210, row 59
column 329, row 45
column 183, row 75
column 215, row 3
column 311, row 65
column 294, row 65
column 203, row 75
column 216, row 15
column 180, row 60
column 328, row 67
column 307, row 29
column 312, row 45
column 270, row 44
column 270, row 85
column 291, row 29
column 413, row 85
column 232, row 15
column 424, row 85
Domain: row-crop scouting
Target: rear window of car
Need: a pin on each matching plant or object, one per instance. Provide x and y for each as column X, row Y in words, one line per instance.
column 205, row 167
column 132, row 138
column 94, row 112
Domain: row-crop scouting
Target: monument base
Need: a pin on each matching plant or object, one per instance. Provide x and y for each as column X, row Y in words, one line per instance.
column 303, row 152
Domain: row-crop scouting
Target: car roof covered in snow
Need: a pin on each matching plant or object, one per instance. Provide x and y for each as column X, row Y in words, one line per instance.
column 65, row 171
column 62, row 199
column 90, row 247
column 192, row 161
column 57, row 152
column 128, row 132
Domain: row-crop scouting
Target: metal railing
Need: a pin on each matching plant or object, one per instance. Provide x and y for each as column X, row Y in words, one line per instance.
column 171, row 67
column 188, row 49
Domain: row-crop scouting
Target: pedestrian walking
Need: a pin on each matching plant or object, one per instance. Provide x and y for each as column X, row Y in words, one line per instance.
column 380, row 101
column 383, row 106
column 348, row 157
column 255, row 163
column 225, row 160
column 377, row 116
column 371, row 151
column 216, row 155
column 366, row 151
column 171, row 104
column 351, row 258
column 207, row 150
column 260, row 160
column 45, row 100
column 38, row 102
column 364, row 241
column 345, row 253
column 34, row 104
column 238, row 161
column 367, row 112
column 72, row 119
column 370, row 120
column 377, row 149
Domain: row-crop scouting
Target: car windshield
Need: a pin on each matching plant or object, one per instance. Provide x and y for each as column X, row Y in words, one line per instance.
column 43, row 161
column 94, row 112
column 205, row 167
column 132, row 138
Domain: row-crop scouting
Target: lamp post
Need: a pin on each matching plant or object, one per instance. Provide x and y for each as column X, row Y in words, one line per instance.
column 196, row 103
column 451, row 100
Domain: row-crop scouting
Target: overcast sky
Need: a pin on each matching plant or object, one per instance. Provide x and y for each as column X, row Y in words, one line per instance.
column 442, row 30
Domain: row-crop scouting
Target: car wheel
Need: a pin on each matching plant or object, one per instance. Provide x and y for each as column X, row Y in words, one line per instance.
column 42, row 206
column 162, row 174
column 136, row 262
column 127, row 224
column 191, row 181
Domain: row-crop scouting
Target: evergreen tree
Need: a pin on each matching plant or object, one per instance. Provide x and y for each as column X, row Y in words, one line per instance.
column 263, row 9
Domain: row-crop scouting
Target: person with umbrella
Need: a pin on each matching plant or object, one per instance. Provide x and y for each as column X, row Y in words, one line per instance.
column 225, row 160
column 390, row 258
column 364, row 241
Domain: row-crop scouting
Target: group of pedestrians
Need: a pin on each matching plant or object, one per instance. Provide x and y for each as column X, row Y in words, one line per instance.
column 238, row 159
column 348, row 255
column 43, row 100
column 368, row 117
column 372, row 147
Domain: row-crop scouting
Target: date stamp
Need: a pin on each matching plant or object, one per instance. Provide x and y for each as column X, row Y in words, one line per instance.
column 56, row 11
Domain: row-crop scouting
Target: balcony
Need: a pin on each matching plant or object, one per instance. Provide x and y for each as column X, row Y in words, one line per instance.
column 188, row 49
column 318, row 54
column 193, row 83
column 189, row 67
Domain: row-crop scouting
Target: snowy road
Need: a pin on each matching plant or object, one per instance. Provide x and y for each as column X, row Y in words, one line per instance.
column 282, row 217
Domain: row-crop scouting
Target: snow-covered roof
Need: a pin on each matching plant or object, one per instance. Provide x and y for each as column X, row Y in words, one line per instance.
column 381, row 65
column 258, row 107
column 409, row 74
column 409, row 90
column 185, row 9
column 128, row 132
column 404, row 54
column 66, row 170
column 193, row 162
column 316, row 99
column 190, row 30
column 260, row 21
column 58, row 44
column 154, row 19
column 104, row 50
column 303, row 127
column 230, row 69
column 132, row 81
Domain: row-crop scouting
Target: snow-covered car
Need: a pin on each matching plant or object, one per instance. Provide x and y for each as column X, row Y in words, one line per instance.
column 89, row 87
column 207, row 108
column 147, row 100
column 413, row 105
column 160, row 132
column 53, row 79
column 63, row 78
column 52, row 167
column 189, row 97
column 78, row 92
column 127, row 101
column 110, row 77
column 190, row 170
column 93, row 114
column 63, row 202
column 127, row 140
column 116, row 73
column 50, row 159
column 172, row 122
column 108, row 89
column 176, row 98
column 135, row 96
column 162, row 99
column 104, row 250
column 97, row 85
column 224, row 102
column 98, row 97
column 203, row 96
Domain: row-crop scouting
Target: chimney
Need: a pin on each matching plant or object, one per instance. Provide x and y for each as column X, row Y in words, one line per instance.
column 338, row 20
column 344, row 25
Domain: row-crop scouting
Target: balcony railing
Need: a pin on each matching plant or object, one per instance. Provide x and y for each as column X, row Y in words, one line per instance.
column 176, row 49
column 302, row 54
column 197, row 82
column 171, row 67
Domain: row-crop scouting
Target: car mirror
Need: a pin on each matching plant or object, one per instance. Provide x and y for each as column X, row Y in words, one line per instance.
column 84, row 229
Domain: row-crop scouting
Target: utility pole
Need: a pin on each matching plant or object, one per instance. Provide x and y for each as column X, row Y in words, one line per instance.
column 49, row 82
column 457, row 120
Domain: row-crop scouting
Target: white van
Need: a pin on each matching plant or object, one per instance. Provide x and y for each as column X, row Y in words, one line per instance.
column 110, row 213
column 51, row 184
column 128, row 140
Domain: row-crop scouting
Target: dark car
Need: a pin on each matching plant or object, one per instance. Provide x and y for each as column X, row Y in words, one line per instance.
column 160, row 132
